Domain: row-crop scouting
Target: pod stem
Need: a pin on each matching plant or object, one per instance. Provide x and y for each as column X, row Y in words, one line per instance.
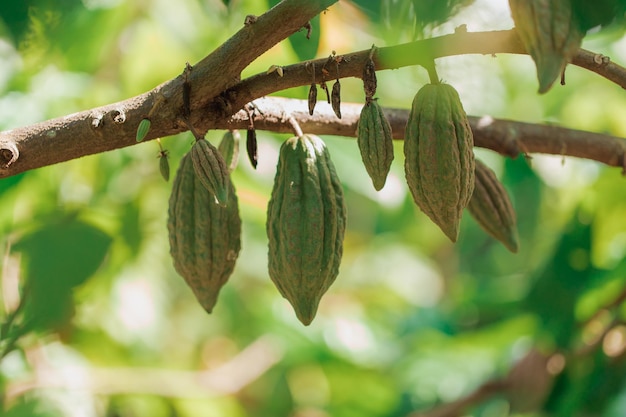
column 432, row 72
column 296, row 126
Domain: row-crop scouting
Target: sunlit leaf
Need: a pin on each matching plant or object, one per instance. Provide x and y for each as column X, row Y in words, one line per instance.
column 563, row 280
column 58, row 257
column 10, row 182
column 14, row 15
column 130, row 229
column 436, row 12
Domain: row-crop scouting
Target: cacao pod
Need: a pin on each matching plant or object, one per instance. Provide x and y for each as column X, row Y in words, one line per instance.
column 550, row 33
column 211, row 169
column 336, row 99
column 229, row 148
column 312, row 98
column 491, row 208
column 164, row 165
column 375, row 142
column 439, row 159
column 205, row 238
column 252, row 147
column 306, row 220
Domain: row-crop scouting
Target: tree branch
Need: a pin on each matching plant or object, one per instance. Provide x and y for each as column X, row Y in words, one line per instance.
column 114, row 126
column 226, row 379
column 506, row 137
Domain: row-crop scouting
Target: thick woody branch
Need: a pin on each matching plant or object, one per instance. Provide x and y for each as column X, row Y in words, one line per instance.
column 114, row 126
column 415, row 53
column 506, row 137
column 215, row 95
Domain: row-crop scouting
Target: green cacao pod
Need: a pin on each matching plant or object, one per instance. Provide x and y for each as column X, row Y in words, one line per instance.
column 491, row 208
column 550, row 33
column 211, row 169
column 306, row 220
column 375, row 142
column 164, row 165
column 229, row 148
column 205, row 238
column 439, row 159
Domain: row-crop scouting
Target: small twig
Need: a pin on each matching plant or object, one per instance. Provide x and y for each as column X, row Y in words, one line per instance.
column 432, row 73
column 225, row 379
column 9, row 330
column 295, row 125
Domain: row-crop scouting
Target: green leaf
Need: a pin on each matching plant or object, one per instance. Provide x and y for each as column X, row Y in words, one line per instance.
column 525, row 191
column 305, row 42
column 14, row 15
column 8, row 183
column 590, row 383
column 563, row 280
column 130, row 230
column 58, row 257
column 435, row 12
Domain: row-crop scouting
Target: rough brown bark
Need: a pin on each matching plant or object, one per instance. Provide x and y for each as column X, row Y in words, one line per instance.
column 216, row 95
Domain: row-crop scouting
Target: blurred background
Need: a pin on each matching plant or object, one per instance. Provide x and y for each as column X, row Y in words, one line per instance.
column 96, row 322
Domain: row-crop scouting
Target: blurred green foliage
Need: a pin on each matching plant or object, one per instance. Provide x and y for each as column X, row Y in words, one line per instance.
column 95, row 321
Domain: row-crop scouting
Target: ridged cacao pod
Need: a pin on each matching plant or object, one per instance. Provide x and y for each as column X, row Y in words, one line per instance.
column 306, row 220
column 211, row 169
column 205, row 238
column 491, row 208
column 550, row 33
column 439, row 159
column 375, row 142
column 229, row 148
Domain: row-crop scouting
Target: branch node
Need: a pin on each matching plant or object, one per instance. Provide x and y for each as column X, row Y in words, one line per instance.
column 160, row 99
column 250, row 20
column 563, row 152
column 98, row 121
column 309, row 29
column 512, row 144
column 118, row 116
column 601, row 60
column 8, row 154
